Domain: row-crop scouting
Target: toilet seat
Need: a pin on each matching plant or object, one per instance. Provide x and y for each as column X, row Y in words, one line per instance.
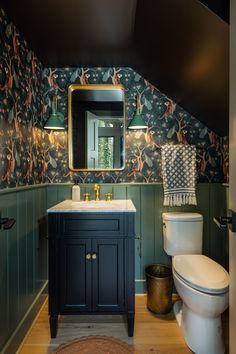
column 201, row 273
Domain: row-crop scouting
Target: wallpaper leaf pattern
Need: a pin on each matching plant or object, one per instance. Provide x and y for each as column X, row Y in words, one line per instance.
column 31, row 155
column 167, row 123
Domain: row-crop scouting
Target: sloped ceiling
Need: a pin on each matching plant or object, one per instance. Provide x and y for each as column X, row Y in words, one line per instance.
column 220, row 7
column 181, row 46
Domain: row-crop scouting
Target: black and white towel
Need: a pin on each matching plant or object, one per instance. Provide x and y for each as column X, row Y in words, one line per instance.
column 179, row 174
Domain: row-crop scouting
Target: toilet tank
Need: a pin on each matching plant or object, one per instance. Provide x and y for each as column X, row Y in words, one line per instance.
column 182, row 233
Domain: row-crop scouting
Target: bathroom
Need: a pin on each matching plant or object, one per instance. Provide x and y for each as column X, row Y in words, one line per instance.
column 38, row 63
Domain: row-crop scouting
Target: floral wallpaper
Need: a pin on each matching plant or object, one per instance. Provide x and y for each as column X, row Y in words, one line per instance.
column 167, row 123
column 31, row 155
column 21, row 108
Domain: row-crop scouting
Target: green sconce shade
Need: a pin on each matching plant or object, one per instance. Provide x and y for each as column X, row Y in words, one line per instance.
column 56, row 119
column 138, row 121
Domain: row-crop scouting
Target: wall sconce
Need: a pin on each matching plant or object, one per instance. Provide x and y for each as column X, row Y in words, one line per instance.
column 56, row 120
column 138, row 121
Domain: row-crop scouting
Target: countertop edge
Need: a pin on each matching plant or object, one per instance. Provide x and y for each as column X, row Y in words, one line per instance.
column 66, row 207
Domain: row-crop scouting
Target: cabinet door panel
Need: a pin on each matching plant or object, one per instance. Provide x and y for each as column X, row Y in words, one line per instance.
column 108, row 275
column 76, row 276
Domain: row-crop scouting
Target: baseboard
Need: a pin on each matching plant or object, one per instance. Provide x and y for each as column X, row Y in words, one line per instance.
column 21, row 330
column 140, row 286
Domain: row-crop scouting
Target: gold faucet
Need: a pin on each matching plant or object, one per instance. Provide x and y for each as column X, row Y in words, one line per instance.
column 97, row 192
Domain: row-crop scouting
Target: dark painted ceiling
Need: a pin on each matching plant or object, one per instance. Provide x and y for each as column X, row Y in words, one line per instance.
column 181, row 47
column 220, row 7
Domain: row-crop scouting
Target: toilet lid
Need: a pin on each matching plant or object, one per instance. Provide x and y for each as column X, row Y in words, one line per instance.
column 182, row 216
column 201, row 273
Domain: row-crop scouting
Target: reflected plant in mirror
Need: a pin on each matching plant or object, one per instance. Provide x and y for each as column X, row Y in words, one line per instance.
column 96, row 127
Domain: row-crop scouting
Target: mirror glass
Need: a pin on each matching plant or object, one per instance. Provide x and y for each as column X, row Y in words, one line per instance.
column 96, row 127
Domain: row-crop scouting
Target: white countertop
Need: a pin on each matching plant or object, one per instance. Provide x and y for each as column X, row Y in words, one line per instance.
column 114, row 206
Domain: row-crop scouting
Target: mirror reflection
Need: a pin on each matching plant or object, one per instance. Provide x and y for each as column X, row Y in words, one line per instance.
column 96, row 127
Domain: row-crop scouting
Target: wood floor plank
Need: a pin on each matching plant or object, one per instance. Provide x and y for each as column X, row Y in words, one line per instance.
column 153, row 334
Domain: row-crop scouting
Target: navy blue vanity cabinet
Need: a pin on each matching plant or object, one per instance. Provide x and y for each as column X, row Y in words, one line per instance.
column 91, row 265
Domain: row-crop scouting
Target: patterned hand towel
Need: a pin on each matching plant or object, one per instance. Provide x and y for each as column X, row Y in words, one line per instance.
column 179, row 174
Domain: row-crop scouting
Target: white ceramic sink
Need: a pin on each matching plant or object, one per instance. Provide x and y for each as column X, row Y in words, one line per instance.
column 93, row 206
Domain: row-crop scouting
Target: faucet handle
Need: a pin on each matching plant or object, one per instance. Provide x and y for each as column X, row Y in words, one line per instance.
column 96, row 187
column 86, row 197
column 108, row 197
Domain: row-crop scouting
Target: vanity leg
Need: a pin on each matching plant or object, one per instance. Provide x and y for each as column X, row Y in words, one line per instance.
column 53, row 320
column 130, row 319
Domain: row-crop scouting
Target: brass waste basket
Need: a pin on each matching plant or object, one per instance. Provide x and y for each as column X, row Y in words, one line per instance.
column 159, row 281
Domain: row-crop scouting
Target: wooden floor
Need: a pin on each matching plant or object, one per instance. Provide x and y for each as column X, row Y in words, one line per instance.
column 153, row 334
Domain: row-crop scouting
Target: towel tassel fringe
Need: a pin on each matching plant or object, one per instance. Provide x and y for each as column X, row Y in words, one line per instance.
column 179, row 199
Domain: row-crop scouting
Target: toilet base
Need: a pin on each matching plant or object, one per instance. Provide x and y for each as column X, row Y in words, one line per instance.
column 203, row 335
column 177, row 309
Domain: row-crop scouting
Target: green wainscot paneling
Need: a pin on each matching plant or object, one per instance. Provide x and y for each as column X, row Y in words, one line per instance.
column 218, row 242
column 23, row 250
column 148, row 200
column 23, row 255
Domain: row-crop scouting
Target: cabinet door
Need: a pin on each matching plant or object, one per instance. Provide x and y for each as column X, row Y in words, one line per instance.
column 108, row 274
column 76, row 275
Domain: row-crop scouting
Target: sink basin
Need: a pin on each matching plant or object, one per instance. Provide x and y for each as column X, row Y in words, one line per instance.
column 94, row 205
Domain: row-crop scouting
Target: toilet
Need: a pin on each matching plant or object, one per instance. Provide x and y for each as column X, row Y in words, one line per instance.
column 202, row 284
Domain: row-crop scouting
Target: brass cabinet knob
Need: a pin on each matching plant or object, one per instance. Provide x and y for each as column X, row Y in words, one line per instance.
column 94, row 256
column 108, row 197
column 86, row 197
column 88, row 256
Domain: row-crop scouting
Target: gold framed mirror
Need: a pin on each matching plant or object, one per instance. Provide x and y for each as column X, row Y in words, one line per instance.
column 96, row 127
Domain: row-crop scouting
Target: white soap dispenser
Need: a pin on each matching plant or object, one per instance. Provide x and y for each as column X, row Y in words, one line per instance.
column 76, row 192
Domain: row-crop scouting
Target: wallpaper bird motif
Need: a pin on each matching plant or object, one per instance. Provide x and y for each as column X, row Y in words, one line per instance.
column 21, row 108
column 167, row 123
column 31, row 155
